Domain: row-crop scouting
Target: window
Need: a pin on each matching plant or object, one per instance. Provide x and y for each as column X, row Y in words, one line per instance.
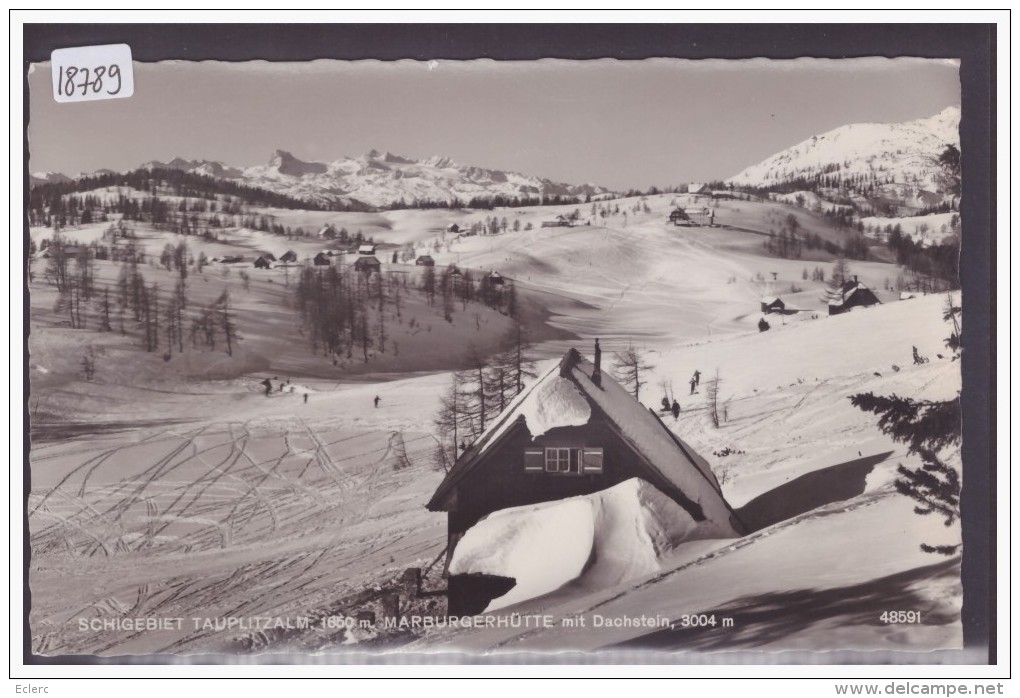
column 563, row 460
column 558, row 460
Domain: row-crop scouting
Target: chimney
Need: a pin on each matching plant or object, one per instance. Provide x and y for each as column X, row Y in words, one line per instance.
column 596, row 375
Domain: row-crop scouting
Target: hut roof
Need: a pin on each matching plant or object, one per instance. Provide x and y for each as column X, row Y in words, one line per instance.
column 639, row 427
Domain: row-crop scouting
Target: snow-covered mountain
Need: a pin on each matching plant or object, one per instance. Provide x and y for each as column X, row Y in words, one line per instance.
column 49, row 178
column 899, row 159
column 380, row 179
column 205, row 167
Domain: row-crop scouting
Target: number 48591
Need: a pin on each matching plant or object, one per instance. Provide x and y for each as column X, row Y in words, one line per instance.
column 900, row 617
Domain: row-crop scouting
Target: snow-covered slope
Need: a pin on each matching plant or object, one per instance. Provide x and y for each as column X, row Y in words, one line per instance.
column 905, row 152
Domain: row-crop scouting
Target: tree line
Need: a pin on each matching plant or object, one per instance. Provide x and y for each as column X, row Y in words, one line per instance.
column 344, row 310
column 173, row 182
column 479, row 391
column 161, row 319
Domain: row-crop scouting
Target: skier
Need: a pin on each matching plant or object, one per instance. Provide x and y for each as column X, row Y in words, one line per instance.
column 269, row 386
column 665, row 404
column 676, row 410
column 376, row 401
column 694, row 384
column 306, row 398
column 697, row 377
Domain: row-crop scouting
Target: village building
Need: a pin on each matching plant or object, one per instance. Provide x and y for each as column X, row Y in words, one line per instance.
column 453, row 228
column 322, row 260
column 560, row 221
column 289, row 256
column 495, row 278
column 853, row 294
column 597, row 436
column 367, row 264
column 425, row 261
column 703, row 216
column 772, row 304
column 262, row 263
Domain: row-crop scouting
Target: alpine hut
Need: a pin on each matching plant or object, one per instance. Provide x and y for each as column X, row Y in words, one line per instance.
column 573, row 432
column 853, row 294
column 772, row 304
column 367, row 264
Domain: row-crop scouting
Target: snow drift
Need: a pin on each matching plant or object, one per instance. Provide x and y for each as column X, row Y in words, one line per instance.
column 594, row 541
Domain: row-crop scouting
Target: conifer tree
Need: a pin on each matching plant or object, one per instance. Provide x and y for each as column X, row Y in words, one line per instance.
column 927, row 428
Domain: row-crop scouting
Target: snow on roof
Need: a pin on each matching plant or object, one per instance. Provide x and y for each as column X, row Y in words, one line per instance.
column 663, row 450
column 768, row 300
column 512, row 412
column 849, row 289
column 556, row 403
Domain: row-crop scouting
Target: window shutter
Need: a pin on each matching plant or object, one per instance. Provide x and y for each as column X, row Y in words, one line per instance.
column 534, row 460
column 592, row 460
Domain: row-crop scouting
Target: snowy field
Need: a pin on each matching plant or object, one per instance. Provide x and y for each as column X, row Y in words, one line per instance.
column 185, row 492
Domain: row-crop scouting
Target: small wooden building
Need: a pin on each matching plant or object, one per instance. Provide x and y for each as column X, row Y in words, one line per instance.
column 701, row 216
column 262, row 263
column 853, row 295
column 495, row 278
column 772, row 304
column 289, row 256
column 322, row 260
column 599, row 437
column 425, row 261
column 367, row 264
column 560, row 221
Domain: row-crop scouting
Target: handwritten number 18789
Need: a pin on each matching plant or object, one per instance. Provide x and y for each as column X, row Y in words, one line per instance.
column 95, row 79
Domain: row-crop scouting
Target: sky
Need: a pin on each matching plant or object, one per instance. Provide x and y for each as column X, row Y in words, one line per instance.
column 621, row 124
